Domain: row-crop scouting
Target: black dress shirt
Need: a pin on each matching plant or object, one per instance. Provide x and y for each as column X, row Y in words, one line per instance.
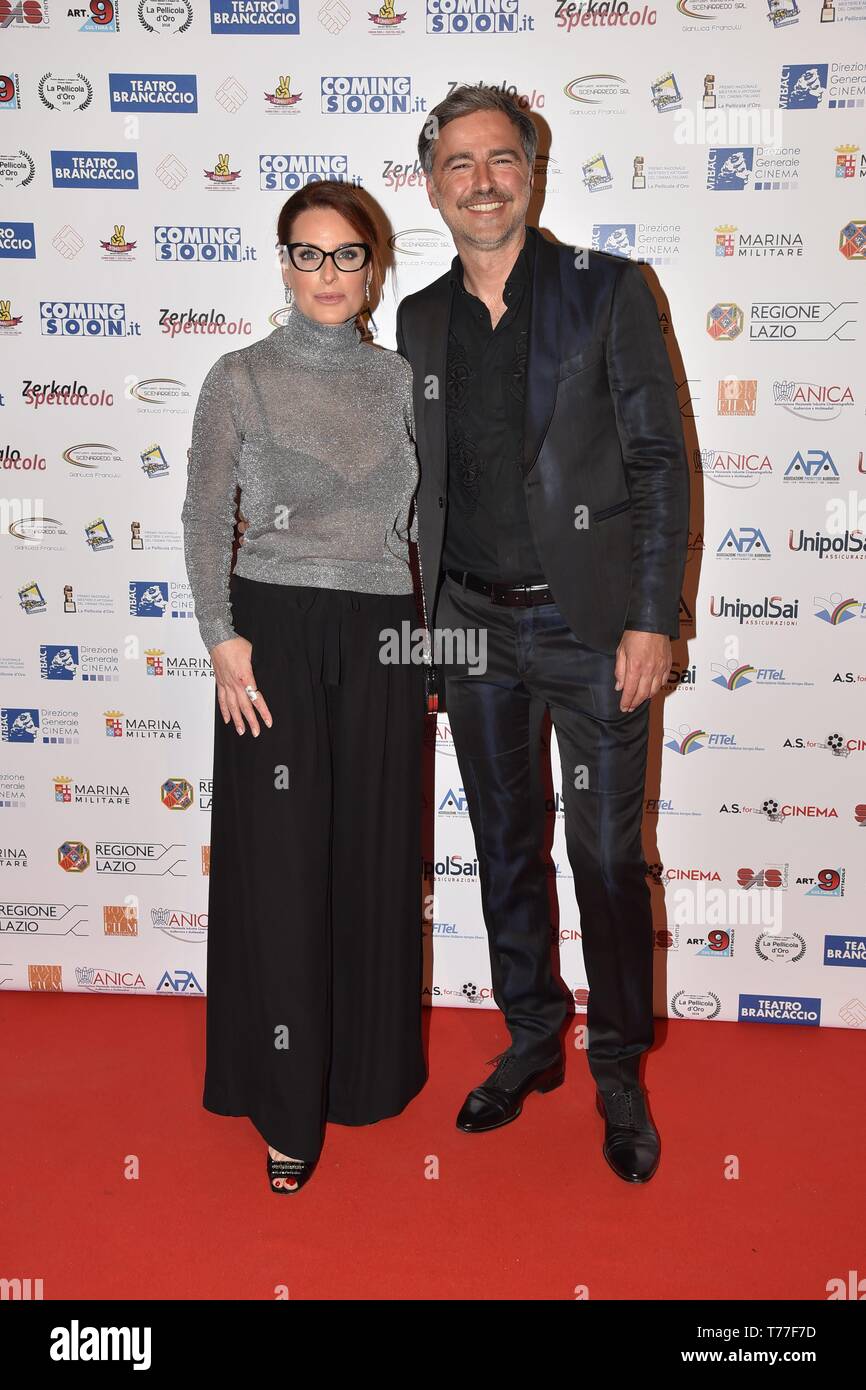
column 487, row 525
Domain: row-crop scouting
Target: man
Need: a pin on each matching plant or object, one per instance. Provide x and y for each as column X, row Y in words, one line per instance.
column 552, row 518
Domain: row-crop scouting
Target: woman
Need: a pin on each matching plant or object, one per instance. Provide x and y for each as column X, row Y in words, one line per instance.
column 314, row 949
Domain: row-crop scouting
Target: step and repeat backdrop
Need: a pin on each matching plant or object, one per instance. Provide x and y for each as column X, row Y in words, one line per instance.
column 145, row 151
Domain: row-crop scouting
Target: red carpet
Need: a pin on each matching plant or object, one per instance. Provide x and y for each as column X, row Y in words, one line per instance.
column 530, row 1211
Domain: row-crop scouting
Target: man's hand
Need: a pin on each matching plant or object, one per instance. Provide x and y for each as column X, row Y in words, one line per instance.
column 643, row 663
column 242, row 526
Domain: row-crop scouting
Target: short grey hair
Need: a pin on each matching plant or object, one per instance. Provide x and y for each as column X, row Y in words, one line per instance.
column 465, row 101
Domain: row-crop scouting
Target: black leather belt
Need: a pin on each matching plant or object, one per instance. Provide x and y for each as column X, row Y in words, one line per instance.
column 513, row 595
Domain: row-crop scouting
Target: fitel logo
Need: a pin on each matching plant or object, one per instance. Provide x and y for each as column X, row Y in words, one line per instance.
column 836, row 610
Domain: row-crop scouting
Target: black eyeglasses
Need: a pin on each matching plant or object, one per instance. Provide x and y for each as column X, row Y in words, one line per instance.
column 353, row 256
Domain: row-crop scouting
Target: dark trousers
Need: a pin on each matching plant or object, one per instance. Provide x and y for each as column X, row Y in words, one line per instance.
column 535, row 661
column 314, row 958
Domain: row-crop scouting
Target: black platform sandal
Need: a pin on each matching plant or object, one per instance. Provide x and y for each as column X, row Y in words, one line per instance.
column 292, row 1171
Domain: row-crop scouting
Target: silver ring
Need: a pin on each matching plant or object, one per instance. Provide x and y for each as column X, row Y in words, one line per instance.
column 252, row 692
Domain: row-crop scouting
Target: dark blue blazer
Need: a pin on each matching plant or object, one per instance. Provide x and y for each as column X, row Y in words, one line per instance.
column 605, row 472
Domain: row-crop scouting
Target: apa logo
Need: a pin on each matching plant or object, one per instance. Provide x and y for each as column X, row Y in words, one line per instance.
column 745, row 540
column 816, row 467
column 454, row 803
column 179, row 982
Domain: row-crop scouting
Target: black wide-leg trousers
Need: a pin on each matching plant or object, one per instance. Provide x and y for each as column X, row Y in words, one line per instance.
column 533, row 661
column 314, row 957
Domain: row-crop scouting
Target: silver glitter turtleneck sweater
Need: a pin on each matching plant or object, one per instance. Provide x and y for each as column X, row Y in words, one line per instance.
column 317, row 427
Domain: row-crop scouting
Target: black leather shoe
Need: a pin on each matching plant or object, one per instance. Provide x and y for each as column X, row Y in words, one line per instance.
column 631, row 1141
column 499, row 1100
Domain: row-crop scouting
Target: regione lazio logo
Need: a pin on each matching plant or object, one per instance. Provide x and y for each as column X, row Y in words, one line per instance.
column 261, row 17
